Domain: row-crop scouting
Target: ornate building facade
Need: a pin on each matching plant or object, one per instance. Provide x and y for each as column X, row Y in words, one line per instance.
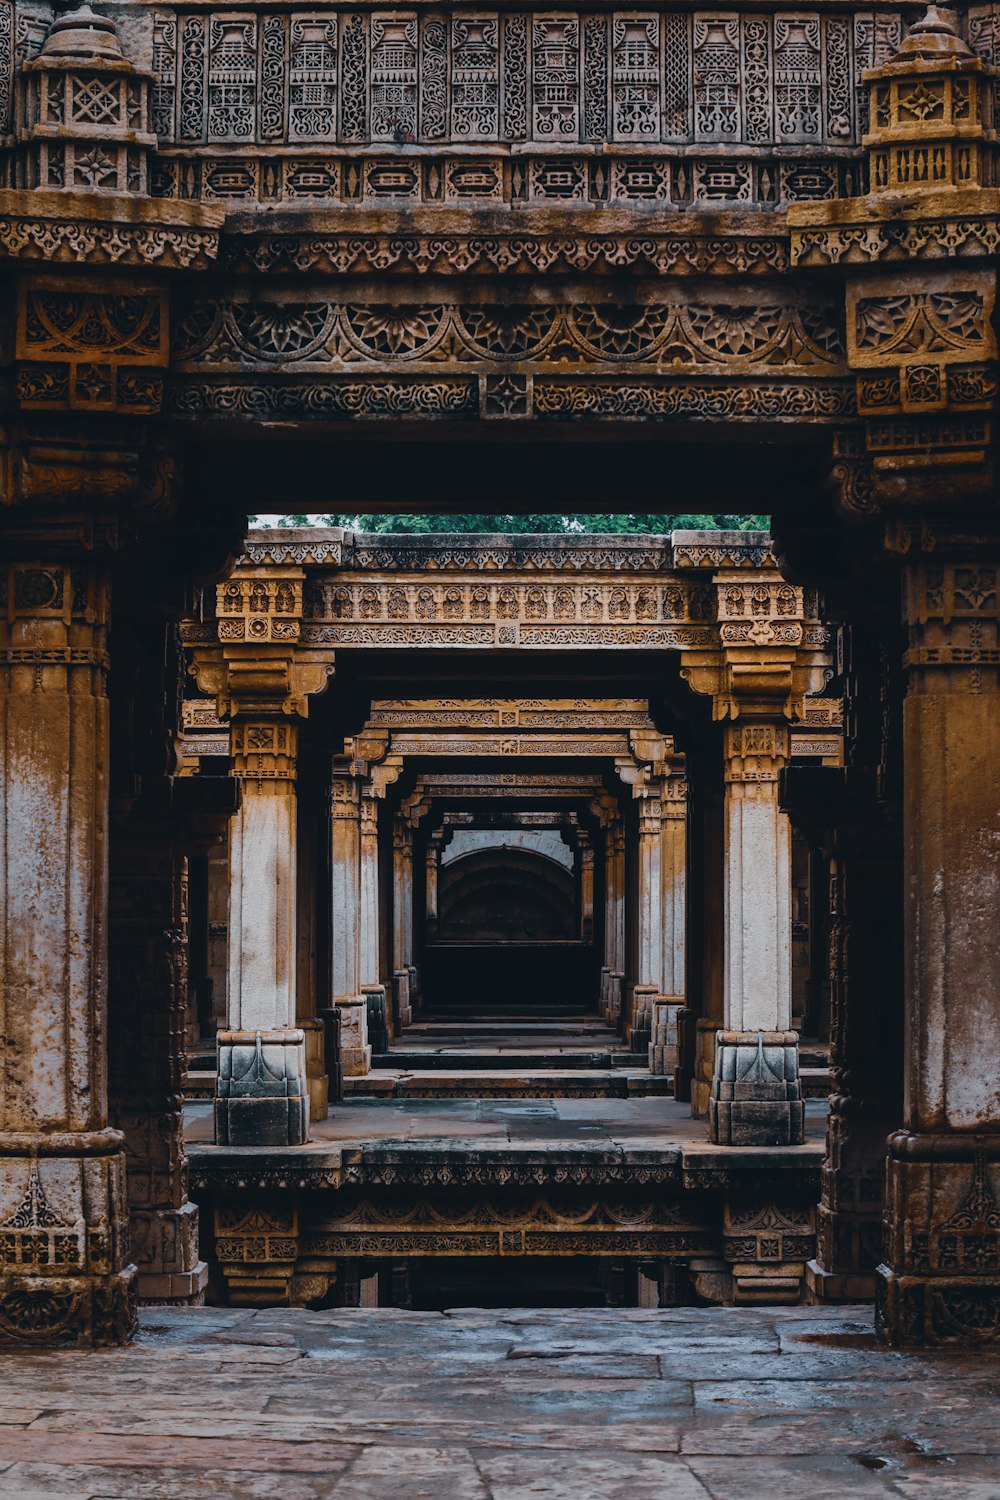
column 368, row 252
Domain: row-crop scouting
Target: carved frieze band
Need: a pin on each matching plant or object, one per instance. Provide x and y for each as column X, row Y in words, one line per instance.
column 433, row 397
column 772, row 332
column 322, row 86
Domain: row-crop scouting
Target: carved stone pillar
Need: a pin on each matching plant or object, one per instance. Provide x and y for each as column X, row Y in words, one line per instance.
column 663, row 1046
column 262, row 678
column 147, row 1000
column 370, row 957
column 614, row 919
column 756, row 1096
column 923, row 349
column 64, row 1247
column 771, row 655
column 941, row 1279
column 432, row 858
column 147, row 969
column 586, row 851
column 345, row 875
column 402, row 915
column 262, row 1094
column 853, row 816
column 649, row 919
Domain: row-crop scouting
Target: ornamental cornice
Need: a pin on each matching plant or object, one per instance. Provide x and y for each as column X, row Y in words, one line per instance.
column 865, row 231
column 108, row 229
column 363, row 239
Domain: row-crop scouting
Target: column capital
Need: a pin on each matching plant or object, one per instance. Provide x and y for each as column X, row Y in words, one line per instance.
column 772, row 648
column 247, row 650
column 264, row 748
column 952, row 617
column 755, row 753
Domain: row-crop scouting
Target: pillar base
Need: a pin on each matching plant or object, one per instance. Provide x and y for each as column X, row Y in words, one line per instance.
column 378, row 1021
column 914, row 1311
column 401, row 998
column 941, row 1280
column 355, row 1053
column 165, row 1248
column 317, row 1083
column 182, row 1289
column 63, row 1240
column 663, row 1041
column 261, row 1097
column 839, row 1286
column 85, row 1312
column 705, row 1033
column 756, row 1098
column 641, row 1016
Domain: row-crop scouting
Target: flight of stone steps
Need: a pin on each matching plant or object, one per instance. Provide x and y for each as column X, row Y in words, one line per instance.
column 542, row 1054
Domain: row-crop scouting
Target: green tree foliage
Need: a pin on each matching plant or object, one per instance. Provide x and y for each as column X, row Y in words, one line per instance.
column 654, row 525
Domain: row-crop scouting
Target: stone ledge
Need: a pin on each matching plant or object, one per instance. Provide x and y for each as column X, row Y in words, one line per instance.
column 108, row 229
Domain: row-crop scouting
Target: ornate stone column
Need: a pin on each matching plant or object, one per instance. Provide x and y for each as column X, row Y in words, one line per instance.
column 649, row 917
column 148, row 953
column 432, row 858
column 771, row 655
column 262, row 1092
column 585, row 850
column 614, row 918
column 671, row 999
column 941, row 1277
column 853, row 816
column 64, row 1249
column 402, row 915
column 262, row 679
column 922, row 464
column 370, row 957
column 345, row 833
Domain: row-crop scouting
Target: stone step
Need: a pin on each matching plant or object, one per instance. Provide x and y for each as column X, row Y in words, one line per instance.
column 529, row 1059
column 526, row 1084
column 816, row 1083
column 199, row 1085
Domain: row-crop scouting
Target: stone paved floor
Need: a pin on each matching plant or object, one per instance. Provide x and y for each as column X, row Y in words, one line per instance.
column 535, row 1124
column 714, row 1404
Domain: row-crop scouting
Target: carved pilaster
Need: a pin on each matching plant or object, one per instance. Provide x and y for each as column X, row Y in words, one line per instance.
column 614, row 919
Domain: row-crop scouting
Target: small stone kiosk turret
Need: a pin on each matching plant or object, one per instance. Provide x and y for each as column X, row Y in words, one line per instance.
column 83, row 112
column 931, row 112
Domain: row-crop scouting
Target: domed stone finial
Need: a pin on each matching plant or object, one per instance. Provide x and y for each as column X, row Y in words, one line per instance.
column 80, row 33
column 935, row 35
column 931, row 112
column 83, row 111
